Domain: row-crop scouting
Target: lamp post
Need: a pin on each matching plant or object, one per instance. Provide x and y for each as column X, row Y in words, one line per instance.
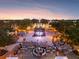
column 74, row 23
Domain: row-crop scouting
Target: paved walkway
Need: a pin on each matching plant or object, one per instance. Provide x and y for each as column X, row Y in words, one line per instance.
column 27, row 54
column 11, row 47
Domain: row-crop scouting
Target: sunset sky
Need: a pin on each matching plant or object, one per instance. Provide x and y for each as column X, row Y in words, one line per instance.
column 48, row 9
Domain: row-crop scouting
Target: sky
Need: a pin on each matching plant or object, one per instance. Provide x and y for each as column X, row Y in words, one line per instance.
column 47, row 9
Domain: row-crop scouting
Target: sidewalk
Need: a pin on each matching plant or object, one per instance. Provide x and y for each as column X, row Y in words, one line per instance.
column 11, row 47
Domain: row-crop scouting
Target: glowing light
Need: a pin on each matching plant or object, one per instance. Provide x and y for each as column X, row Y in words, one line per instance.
column 39, row 33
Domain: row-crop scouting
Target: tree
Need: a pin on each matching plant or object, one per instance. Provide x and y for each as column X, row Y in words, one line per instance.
column 44, row 21
column 34, row 21
column 4, row 38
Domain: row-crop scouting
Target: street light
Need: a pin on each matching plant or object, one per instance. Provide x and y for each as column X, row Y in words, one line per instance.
column 74, row 22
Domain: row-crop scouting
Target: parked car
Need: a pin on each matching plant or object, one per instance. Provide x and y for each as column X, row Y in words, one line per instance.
column 76, row 52
column 2, row 52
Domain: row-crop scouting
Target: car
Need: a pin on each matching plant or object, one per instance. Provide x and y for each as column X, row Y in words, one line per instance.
column 2, row 52
column 76, row 52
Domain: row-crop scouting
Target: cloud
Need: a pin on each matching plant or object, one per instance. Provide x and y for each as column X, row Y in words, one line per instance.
column 28, row 13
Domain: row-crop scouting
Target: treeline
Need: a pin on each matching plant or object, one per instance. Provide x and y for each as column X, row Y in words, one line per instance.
column 22, row 23
column 5, row 39
column 67, row 27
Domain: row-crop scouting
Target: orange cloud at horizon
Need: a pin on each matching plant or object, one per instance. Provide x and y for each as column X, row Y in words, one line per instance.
column 28, row 13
